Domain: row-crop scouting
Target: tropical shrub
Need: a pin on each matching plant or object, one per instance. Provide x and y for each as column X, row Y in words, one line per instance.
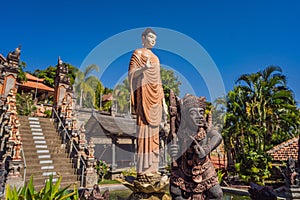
column 51, row 191
column 102, row 169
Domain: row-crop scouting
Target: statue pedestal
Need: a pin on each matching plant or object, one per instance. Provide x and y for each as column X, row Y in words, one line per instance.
column 91, row 177
column 14, row 177
column 153, row 196
column 147, row 188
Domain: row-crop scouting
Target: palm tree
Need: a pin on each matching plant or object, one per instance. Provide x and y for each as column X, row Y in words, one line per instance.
column 98, row 95
column 261, row 112
column 219, row 112
column 107, row 105
column 122, row 95
column 269, row 100
column 86, row 84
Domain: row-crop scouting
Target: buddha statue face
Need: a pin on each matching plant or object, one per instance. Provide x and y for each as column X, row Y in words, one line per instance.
column 196, row 117
column 149, row 40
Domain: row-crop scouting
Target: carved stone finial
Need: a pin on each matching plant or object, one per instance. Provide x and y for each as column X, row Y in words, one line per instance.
column 13, row 58
column 59, row 61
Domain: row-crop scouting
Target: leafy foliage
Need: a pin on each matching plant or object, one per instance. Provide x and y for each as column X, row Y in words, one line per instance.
column 261, row 113
column 102, row 169
column 220, row 174
column 86, row 84
column 122, row 96
column 169, row 82
column 49, row 74
column 21, row 77
column 50, row 191
column 98, row 93
column 258, row 169
column 24, row 104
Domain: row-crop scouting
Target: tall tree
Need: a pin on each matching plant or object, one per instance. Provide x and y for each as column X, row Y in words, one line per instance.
column 50, row 72
column 98, row 95
column 169, row 82
column 122, row 96
column 86, row 84
column 261, row 112
column 21, row 74
column 107, row 105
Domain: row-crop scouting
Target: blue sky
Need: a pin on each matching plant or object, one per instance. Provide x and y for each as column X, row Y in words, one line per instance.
column 239, row 36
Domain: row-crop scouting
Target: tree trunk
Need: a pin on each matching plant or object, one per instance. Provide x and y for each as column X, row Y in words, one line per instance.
column 80, row 102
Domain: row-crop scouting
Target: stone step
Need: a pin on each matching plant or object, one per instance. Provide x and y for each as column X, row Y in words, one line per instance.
column 42, row 178
column 34, row 122
column 39, row 141
column 29, row 139
column 35, row 126
column 38, row 137
column 33, row 119
column 37, row 133
column 32, row 146
column 45, row 133
column 44, row 168
column 46, row 162
column 49, row 173
column 36, row 130
column 44, row 156
column 38, row 185
column 47, row 167
column 44, row 151
column 35, row 167
column 47, row 129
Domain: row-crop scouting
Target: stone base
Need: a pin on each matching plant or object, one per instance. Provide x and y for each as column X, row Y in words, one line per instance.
column 17, row 182
column 91, row 178
column 147, row 187
column 151, row 196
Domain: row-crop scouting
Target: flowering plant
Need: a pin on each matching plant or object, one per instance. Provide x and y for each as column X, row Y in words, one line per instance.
column 102, row 169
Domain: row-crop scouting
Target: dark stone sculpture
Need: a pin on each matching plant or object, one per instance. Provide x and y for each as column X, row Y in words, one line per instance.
column 290, row 173
column 192, row 173
column 258, row 192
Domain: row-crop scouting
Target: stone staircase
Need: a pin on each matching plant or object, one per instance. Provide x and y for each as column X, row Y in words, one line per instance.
column 44, row 153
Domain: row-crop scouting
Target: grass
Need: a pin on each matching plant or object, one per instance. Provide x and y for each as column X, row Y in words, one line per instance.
column 106, row 181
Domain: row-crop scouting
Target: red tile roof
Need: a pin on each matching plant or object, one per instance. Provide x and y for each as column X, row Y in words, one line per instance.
column 34, row 85
column 285, row 150
column 33, row 78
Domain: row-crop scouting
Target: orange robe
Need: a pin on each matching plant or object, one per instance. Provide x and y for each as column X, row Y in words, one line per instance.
column 146, row 96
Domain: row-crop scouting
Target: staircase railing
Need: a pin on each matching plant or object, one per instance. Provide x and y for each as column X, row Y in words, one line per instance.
column 66, row 134
column 25, row 166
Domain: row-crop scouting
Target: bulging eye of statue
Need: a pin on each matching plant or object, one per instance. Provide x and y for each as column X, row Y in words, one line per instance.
column 197, row 112
column 193, row 113
column 201, row 112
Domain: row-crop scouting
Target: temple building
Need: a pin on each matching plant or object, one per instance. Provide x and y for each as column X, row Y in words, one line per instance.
column 9, row 68
column 35, row 86
column 114, row 138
